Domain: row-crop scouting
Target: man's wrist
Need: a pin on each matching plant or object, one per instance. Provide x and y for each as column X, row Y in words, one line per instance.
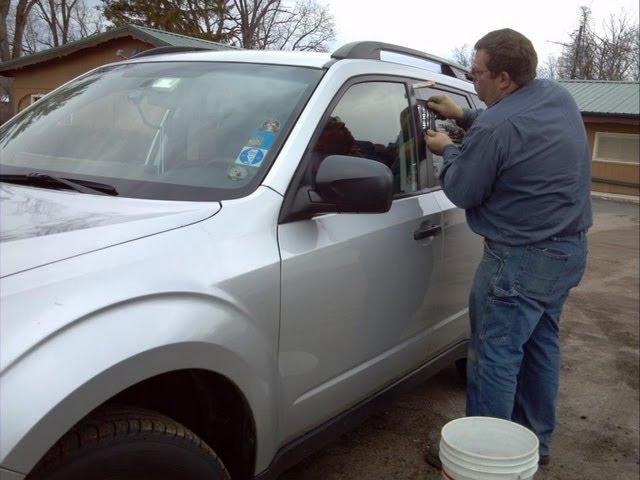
column 459, row 116
column 467, row 119
column 448, row 146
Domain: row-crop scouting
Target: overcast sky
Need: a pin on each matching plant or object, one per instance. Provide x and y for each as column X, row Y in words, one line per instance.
column 439, row 26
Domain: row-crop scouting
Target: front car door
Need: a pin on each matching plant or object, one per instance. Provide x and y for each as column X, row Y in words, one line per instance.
column 357, row 288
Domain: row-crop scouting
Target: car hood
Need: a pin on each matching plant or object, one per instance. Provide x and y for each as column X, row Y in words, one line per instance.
column 40, row 226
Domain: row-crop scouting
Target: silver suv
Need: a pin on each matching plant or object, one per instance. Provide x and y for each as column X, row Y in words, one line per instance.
column 213, row 262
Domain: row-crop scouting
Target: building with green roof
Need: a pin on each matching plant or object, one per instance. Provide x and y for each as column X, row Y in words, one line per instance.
column 611, row 114
column 36, row 75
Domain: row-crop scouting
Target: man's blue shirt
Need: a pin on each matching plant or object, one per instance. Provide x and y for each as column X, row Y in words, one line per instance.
column 523, row 172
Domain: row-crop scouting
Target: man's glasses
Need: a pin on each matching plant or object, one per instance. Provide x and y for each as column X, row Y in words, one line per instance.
column 475, row 73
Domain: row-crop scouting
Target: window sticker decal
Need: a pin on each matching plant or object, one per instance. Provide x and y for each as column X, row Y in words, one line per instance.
column 166, row 83
column 258, row 144
column 237, row 172
column 261, row 139
column 271, row 125
column 251, row 157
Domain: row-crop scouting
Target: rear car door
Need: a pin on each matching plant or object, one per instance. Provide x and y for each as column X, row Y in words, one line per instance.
column 357, row 289
column 462, row 248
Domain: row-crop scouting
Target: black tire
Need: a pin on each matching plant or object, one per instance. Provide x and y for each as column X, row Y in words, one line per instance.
column 129, row 444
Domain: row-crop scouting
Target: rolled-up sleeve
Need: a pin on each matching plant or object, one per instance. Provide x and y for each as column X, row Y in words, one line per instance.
column 469, row 172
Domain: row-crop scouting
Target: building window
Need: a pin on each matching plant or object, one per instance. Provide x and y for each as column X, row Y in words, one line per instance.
column 36, row 96
column 617, row 147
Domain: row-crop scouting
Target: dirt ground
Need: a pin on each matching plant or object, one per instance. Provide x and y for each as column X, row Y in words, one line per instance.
column 597, row 433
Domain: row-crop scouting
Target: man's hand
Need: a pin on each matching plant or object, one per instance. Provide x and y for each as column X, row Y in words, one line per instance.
column 436, row 141
column 445, row 107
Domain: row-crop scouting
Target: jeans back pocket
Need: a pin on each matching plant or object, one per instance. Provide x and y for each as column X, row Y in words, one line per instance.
column 541, row 271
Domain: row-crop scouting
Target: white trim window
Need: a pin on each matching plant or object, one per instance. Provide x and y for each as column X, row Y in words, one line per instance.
column 617, row 147
column 36, row 96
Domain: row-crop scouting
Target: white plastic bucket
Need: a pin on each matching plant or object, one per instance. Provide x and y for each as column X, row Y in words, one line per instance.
column 484, row 448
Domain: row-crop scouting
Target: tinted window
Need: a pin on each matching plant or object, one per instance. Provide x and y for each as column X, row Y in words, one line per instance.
column 372, row 120
column 434, row 162
column 185, row 131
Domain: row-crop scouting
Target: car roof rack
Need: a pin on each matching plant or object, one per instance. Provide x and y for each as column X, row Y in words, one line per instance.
column 373, row 50
column 168, row 49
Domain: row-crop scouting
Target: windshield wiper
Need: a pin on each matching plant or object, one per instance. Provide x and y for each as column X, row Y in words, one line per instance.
column 44, row 179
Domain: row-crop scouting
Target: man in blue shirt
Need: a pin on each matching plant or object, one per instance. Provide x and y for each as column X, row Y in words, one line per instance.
column 523, row 176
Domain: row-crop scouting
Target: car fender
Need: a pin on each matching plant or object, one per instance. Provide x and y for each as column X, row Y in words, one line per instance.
column 49, row 392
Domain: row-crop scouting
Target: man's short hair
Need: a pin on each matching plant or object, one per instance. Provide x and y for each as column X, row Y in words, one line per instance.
column 509, row 51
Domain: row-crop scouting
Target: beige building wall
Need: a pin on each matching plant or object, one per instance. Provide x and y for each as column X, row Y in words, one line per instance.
column 45, row 77
column 614, row 172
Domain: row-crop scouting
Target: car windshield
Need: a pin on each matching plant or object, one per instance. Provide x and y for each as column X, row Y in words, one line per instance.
column 163, row 130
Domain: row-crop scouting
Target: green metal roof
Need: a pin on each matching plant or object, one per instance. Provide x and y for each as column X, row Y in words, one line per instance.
column 605, row 98
column 164, row 38
column 157, row 38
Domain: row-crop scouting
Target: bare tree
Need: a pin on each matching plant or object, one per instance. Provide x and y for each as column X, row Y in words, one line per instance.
column 578, row 55
column 280, row 25
column 548, row 69
column 5, row 52
column 34, row 32
column 608, row 54
column 88, row 20
column 13, row 21
column 249, row 16
column 12, row 32
column 57, row 16
column 31, row 25
column 463, row 55
column 306, row 26
column 7, row 21
column 65, row 21
column 618, row 49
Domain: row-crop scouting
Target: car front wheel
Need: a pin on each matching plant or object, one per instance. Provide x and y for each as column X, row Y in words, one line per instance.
column 130, row 444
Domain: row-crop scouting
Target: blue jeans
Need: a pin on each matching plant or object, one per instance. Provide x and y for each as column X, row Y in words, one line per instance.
column 513, row 366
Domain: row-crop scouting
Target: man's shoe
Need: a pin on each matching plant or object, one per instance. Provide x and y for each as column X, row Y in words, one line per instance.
column 432, row 454
column 544, row 460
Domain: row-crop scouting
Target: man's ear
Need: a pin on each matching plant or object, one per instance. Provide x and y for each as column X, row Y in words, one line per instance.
column 506, row 82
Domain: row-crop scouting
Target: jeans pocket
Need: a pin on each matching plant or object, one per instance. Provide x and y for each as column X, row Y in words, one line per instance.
column 497, row 320
column 540, row 272
column 491, row 253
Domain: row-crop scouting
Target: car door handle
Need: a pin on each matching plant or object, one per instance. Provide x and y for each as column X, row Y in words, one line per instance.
column 426, row 231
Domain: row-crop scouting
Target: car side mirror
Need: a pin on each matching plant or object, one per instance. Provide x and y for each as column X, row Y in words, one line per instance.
column 343, row 184
column 354, row 184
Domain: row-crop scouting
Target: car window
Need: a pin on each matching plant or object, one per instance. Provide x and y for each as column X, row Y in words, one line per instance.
column 477, row 102
column 450, row 127
column 372, row 120
column 162, row 130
